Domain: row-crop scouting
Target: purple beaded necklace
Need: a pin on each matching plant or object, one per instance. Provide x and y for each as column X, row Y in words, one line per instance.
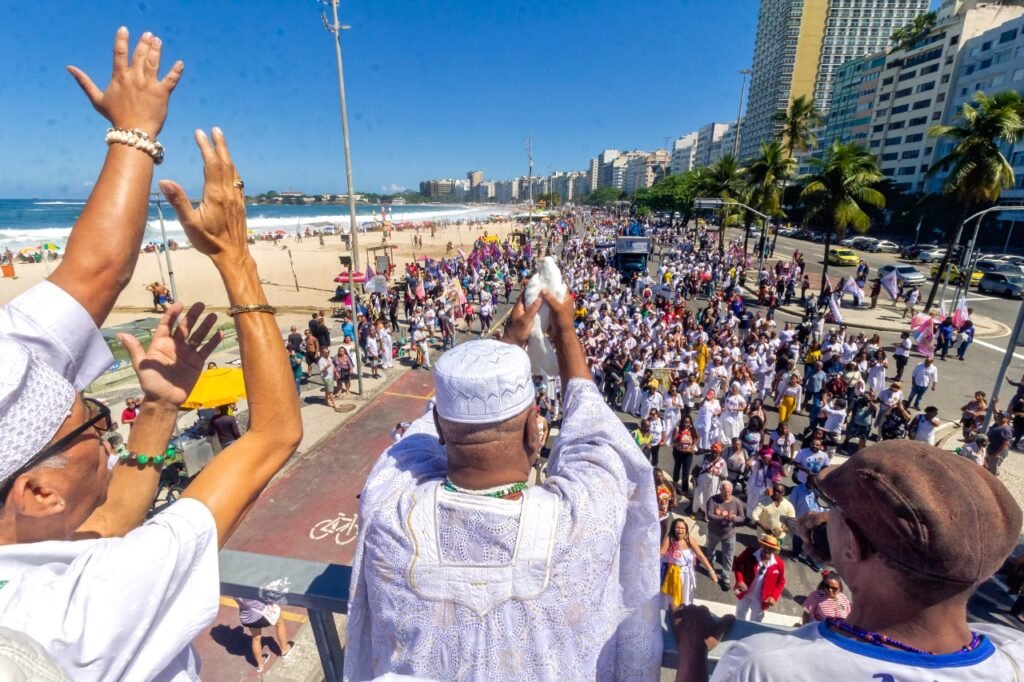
column 881, row 640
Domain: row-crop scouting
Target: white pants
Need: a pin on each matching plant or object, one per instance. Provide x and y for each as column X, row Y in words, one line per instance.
column 749, row 608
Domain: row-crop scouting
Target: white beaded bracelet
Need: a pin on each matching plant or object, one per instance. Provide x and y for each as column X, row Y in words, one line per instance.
column 136, row 138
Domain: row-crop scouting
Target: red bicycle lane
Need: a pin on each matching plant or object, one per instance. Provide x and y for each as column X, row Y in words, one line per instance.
column 311, row 513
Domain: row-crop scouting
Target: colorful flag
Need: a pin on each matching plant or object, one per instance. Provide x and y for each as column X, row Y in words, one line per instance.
column 890, row 285
column 833, row 305
column 961, row 315
column 851, row 288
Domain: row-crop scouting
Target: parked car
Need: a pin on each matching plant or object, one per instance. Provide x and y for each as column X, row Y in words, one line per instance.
column 955, row 275
column 841, row 256
column 988, row 265
column 907, row 274
column 910, row 251
column 864, row 243
column 931, row 255
column 1012, row 260
column 847, row 242
column 884, row 246
column 1002, row 283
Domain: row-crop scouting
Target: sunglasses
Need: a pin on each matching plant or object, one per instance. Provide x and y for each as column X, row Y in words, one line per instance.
column 98, row 418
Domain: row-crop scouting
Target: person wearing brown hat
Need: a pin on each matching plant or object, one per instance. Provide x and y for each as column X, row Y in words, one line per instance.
column 911, row 560
column 760, row 578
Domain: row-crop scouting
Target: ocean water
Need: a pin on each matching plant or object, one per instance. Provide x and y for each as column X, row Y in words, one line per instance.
column 29, row 222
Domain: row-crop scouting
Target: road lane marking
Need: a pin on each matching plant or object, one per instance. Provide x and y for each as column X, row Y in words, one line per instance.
column 994, row 347
column 287, row 615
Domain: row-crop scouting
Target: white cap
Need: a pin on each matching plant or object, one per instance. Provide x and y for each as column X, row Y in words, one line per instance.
column 481, row 382
column 34, row 401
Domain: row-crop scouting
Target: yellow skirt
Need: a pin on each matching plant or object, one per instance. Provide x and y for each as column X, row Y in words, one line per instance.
column 672, row 585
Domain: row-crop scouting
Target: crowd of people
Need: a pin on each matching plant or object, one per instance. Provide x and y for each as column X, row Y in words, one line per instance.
column 464, row 570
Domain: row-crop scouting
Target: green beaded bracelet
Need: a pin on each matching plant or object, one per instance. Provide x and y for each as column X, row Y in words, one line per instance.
column 125, row 455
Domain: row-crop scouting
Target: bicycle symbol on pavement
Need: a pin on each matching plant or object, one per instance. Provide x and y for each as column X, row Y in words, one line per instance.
column 345, row 528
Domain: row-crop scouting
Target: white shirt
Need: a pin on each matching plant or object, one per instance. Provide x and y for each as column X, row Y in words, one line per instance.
column 118, row 608
column 449, row 585
column 926, row 429
column 833, row 419
column 825, row 655
column 925, row 376
column 903, row 349
column 808, row 458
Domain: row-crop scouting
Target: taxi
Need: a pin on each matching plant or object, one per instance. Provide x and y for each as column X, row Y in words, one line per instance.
column 955, row 276
column 843, row 256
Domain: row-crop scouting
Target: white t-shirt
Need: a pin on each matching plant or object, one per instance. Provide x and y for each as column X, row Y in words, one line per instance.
column 814, row 653
column 834, row 419
column 118, row 608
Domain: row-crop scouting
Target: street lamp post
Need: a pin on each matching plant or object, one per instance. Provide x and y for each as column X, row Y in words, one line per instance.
column 739, row 114
column 336, row 28
column 946, row 259
column 719, row 203
column 167, row 250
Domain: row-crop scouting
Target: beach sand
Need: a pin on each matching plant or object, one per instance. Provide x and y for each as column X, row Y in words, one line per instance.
column 315, row 270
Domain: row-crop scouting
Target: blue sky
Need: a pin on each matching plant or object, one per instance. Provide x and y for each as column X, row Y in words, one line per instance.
column 434, row 88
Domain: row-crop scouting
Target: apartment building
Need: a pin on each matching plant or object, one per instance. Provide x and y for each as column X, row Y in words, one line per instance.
column 684, row 154
column 800, row 45
column 706, row 138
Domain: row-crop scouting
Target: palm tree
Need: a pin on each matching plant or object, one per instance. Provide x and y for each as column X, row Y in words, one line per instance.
column 978, row 171
column 841, row 184
column 798, row 125
column 766, row 176
column 724, row 180
column 904, row 37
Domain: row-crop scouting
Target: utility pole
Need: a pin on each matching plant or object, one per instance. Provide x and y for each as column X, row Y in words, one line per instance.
column 336, row 28
column 167, row 250
column 529, row 155
column 739, row 115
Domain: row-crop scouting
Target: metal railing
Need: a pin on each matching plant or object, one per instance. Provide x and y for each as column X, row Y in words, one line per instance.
column 322, row 590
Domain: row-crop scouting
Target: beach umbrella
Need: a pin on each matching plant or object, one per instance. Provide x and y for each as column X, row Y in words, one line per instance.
column 357, row 277
column 49, row 246
column 216, row 387
column 280, row 232
column 28, row 250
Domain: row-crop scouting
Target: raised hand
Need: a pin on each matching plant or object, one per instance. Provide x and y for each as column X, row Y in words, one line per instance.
column 170, row 367
column 135, row 96
column 217, row 227
column 520, row 322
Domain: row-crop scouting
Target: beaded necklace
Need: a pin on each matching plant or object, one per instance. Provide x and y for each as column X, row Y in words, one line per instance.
column 881, row 640
column 510, row 491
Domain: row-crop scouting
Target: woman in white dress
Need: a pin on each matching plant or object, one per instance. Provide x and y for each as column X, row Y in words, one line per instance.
column 679, row 553
column 708, row 427
column 386, row 345
column 732, row 413
column 631, row 400
column 711, row 472
column 876, row 373
column 671, row 411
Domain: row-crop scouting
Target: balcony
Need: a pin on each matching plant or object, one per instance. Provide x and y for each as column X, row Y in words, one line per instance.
column 322, row 590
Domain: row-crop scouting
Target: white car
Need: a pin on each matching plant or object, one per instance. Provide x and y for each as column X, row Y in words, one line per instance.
column 848, row 241
column 907, row 274
column 884, row 247
column 931, row 255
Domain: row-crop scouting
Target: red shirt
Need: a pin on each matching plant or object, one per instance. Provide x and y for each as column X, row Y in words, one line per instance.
column 128, row 415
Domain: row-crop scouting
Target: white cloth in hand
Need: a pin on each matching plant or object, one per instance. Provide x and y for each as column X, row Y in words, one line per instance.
column 539, row 348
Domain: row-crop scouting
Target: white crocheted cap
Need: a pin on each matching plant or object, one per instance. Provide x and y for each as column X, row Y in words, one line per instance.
column 482, row 382
column 34, row 401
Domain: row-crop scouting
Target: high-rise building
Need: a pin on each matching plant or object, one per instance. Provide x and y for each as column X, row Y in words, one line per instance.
column 684, row 154
column 506, row 191
column 604, row 167
column 706, row 138
column 475, row 178
column 799, row 46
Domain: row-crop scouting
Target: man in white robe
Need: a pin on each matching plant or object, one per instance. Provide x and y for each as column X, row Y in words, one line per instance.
column 463, row 573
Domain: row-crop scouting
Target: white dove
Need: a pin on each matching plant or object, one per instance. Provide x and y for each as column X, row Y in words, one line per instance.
column 539, row 348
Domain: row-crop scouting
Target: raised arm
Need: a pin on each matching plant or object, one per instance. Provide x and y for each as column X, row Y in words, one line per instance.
column 115, row 214
column 167, row 371
column 234, row 479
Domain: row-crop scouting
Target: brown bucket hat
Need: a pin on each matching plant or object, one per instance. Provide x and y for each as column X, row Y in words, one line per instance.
column 934, row 513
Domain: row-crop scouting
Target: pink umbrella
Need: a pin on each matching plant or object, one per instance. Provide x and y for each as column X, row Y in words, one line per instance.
column 280, row 232
column 357, row 277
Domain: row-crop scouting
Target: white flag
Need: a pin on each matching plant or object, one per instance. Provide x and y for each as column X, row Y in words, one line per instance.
column 851, row 288
column 833, row 305
column 889, row 284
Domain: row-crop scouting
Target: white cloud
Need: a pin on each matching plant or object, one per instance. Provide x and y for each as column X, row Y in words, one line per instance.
column 392, row 188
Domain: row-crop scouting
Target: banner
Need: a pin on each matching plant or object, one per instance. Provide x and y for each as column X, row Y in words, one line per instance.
column 961, row 314
column 889, row 284
column 851, row 288
column 833, row 305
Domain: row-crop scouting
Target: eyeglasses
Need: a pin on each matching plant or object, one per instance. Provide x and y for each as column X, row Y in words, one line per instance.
column 99, row 419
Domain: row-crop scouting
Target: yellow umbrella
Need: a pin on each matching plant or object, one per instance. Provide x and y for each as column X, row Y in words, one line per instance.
column 28, row 250
column 49, row 246
column 216, row 387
